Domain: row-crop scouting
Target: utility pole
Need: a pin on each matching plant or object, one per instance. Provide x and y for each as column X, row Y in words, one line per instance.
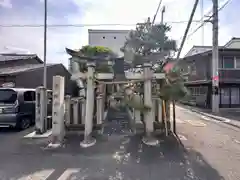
column 44, row 120
column 202, row 14
column 154, row 18
column 187, row 29
column 162, row 16
column 45, row 46
column 215, row 77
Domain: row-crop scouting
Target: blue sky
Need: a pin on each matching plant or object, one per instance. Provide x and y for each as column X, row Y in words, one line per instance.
column 95, row 12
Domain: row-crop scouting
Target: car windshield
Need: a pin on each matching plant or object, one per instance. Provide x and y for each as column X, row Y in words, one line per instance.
column 8, row 96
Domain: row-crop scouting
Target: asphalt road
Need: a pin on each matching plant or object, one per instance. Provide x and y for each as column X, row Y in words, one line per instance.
column 217, row 142
column 210, row 151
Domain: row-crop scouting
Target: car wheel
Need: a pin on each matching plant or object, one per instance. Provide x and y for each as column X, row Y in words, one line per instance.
column 24, row 123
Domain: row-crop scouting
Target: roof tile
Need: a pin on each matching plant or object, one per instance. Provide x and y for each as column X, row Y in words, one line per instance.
column 23, row 68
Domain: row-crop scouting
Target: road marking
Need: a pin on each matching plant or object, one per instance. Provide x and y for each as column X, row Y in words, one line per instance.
column 195, row 123
column 205, row 118
column 34, row 135
column 182, row 137
column 39, row 175
column 45, row 174
column 236, row 141
column 177, row 120
column 67, row 174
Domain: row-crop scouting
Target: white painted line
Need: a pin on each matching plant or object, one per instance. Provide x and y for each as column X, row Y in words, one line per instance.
column 177, row 120
column 180, row 107
column 222, row 119
column 54, row 145
column 205, row 118
column 34, row 135
column 196, row 123
column 236, row 141
column 39, row 175
column 66, row 174
column 182, row 137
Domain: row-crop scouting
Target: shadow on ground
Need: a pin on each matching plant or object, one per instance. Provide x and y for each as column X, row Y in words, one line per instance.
column 114, row 157
column 9, row 130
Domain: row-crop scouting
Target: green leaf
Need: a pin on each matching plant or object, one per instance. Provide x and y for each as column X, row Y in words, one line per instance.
column 145, row 39
column 175, row 91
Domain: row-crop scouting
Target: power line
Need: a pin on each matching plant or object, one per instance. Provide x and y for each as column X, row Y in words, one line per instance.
column 202, row 15
column 154, row 18
column 209, row 19
column 79, row 25
column 187, row 29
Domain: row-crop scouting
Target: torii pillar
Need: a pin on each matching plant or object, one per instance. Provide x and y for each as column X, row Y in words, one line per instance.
column 88, row 139
column 149, row 116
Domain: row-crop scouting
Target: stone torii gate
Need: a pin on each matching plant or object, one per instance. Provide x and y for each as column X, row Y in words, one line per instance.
column 60, row 106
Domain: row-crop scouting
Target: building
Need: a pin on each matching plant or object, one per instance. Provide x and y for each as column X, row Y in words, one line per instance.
column 9, row 60
column 113, row 39
column 197, row 64
column 233, row 43
column 26, row 71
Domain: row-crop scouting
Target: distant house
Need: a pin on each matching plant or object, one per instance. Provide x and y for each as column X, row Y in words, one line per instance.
column 197, row 64
column 8, row 60
column 233, row 43
column 26, row 71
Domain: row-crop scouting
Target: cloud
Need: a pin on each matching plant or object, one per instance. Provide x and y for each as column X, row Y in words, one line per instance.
column 24, row 12
column 6, row 3
column 31, row 38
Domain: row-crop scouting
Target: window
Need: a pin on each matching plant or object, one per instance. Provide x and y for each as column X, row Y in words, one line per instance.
column 235, row 95
column 225, row 93
column 228, row 62
column 29, row 96
column 237, row 62
column 191, row 69
column 8, row 96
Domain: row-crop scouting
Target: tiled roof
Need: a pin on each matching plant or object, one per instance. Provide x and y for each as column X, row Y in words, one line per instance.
column 19, row 69
column 197, row 50
column 12, row 57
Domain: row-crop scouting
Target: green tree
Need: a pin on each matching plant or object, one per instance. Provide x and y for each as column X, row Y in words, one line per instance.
column 96, row 51
column 148, row 39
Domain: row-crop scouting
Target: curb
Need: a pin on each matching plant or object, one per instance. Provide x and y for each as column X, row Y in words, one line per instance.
column 221, row 119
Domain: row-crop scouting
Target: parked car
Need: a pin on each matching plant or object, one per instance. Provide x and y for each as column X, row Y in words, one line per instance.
column 17, row 107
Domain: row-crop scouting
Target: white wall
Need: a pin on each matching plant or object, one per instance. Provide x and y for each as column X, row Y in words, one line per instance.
column 113, row 39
